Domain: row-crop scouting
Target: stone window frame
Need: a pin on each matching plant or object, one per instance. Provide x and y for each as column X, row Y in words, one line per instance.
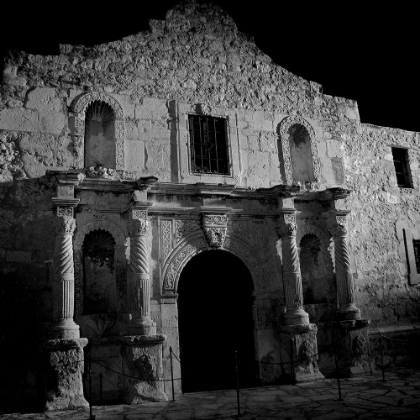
column 285, row 124
column 186, row 173
column 409, row 184
column 79, row 113
column 405, row 235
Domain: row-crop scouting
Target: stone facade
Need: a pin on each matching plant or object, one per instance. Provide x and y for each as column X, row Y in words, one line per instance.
column 309, row 204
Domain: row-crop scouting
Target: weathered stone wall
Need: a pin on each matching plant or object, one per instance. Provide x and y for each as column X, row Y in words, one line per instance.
column 197, row 56
column 384, row 293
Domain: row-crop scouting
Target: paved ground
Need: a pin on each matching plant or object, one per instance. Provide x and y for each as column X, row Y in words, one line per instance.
column 363, row 398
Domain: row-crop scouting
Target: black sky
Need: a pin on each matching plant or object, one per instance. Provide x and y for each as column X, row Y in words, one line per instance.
column 365, row 53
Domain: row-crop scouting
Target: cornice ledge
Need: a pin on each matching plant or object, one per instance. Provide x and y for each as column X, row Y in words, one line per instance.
column 332, row 194
column 279, row 191
column 71, row 177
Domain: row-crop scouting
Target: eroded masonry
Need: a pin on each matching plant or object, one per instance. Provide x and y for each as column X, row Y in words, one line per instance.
column 177, row 196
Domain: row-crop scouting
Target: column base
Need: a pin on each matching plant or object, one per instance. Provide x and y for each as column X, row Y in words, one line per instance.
column 142, row 363
column 296, row 317
column 64, row 368
column 353, row 347
column 300, row 348
column 142, row 326
column 349, row 312
column 64, row 330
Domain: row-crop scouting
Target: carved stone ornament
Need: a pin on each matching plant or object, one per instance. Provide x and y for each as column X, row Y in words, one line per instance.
column 287, row 225
column 138, row 227
column 101, row 172
column 64, row 211
column 284, row 134
column 139, row 214
column 65, row 225
column 215, row 228
column 339, row 230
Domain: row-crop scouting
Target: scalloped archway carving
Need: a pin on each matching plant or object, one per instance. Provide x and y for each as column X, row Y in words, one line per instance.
column 195, row 244
column 285, row 125
column 79, row 109
column 120, row 260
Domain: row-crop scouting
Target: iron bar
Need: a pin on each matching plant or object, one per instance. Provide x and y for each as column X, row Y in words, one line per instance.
column 337, row 369
column 237, row 383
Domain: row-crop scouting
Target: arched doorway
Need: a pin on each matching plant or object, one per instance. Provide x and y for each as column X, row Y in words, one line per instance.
column 215, row 319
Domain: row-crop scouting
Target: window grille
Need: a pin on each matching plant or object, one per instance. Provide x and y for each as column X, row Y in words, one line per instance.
column 402, row 171
column 208, row 145
column 416, row 246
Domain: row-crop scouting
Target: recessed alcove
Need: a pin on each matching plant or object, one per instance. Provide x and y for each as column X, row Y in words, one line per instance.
column 301, row 154
column 100, row 143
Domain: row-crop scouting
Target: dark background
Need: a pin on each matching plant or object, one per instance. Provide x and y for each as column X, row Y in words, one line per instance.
column 365, row 53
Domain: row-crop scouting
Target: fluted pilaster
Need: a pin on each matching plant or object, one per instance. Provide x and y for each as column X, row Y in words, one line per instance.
column 295, row 314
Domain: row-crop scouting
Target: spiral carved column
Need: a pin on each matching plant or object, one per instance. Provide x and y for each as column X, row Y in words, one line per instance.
column 295, row 314
column 139, row 287
column 345, row 285
column 63, row 284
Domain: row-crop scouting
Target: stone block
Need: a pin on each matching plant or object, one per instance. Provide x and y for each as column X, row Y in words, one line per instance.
column 322, row 149
column 327, row 172
column 52, row 122
column 134, row 157
column 44, row 99
column 334, row 148
column 152, row 109
column 131, row 130
column 19, row 119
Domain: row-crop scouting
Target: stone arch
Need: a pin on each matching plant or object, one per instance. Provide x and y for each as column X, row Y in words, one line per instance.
column 284, row 128
column 120, row 260
column 79, row 113
column 196, row 244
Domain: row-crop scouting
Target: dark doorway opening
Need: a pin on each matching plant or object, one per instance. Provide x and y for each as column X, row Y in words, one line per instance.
column 215, row 319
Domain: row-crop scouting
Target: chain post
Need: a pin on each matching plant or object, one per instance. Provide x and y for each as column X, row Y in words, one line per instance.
column 91, row 416
column 337, row 369
column 172, row 374
column 382, row 359
column 237, row 383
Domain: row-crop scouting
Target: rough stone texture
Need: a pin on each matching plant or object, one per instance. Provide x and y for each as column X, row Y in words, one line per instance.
column 142, row 365
column 64, row 374
column 195, row 62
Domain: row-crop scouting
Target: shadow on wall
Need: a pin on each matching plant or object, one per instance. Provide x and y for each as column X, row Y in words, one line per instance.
column 26, row 249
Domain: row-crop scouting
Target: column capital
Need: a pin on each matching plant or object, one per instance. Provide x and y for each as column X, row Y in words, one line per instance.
column 65, row 225
column 138, row 227
column 337, row 223
column 286, row 225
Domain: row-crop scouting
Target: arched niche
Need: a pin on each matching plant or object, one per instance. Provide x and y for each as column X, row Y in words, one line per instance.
column 99, row 285
column 316, row 266
column 89, row 111
column 299, row 149
column 119, row 262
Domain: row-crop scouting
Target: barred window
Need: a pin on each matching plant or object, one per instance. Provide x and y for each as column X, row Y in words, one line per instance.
column 402, row 170
column 208, row 145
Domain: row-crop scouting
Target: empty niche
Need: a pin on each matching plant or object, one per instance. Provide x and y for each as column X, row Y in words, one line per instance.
column 315, row 278
column 100, row 142
column 301, row 154
column 100, row 292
